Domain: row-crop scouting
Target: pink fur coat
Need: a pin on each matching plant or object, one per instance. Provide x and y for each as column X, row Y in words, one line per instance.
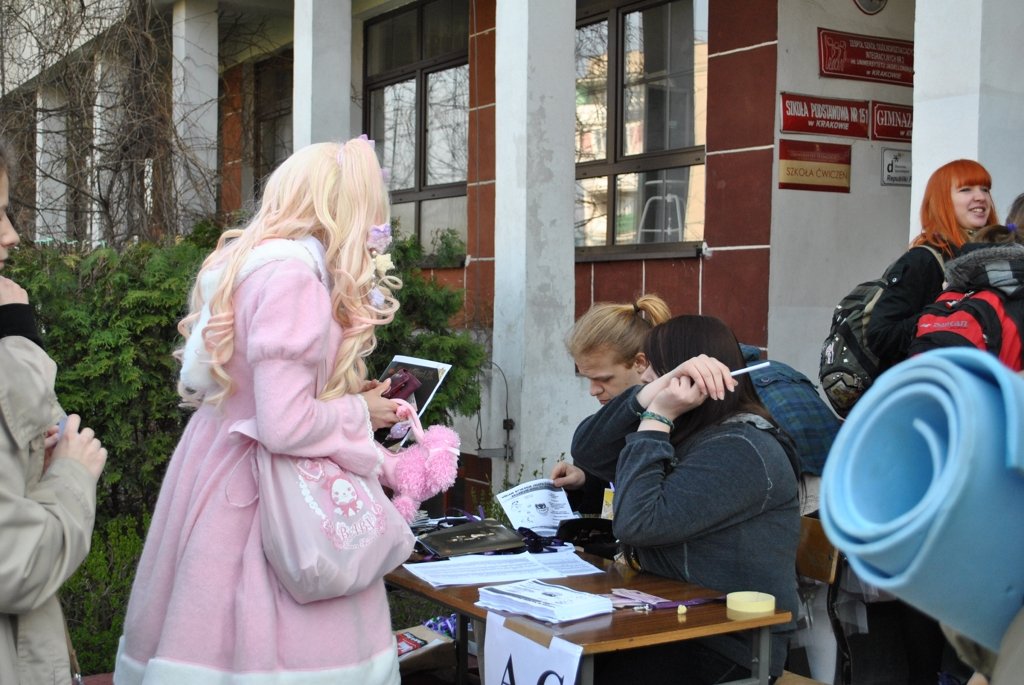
column 205, row 605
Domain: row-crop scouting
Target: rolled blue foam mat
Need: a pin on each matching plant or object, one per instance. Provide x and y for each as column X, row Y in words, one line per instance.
column 924, row 489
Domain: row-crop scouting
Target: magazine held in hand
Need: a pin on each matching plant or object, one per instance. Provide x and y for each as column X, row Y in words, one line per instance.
column 414, row 380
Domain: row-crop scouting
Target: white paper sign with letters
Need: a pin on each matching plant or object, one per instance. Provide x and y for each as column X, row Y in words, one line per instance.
column 513, row 659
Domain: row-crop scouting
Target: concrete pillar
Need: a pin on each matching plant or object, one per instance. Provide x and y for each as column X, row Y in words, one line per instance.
column 52, row 219
column 533, row 243
column 195, row 88
column 321, row 101
column 107, row 77
column 967, row 94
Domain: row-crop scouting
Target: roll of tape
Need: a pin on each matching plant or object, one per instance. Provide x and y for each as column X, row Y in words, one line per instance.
column 750, row 602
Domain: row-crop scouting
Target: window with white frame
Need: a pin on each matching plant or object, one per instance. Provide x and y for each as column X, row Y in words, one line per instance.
column 417, row 109
column 641, row 93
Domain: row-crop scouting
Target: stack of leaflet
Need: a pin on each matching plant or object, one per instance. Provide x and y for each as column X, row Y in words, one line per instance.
column 543, row 601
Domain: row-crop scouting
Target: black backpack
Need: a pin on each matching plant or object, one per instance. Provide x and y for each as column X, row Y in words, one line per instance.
column 848, row 367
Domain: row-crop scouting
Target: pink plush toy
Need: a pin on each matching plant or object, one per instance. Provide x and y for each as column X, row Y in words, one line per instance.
column 422, row 470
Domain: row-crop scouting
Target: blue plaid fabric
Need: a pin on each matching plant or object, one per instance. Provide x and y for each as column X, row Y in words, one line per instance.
column 794, row 401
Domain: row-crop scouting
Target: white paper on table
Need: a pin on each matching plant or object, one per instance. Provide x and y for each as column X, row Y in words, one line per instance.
column 543, row 600
column 568, row 564
column 472, row 569
column 537, row 505
column 514, row 658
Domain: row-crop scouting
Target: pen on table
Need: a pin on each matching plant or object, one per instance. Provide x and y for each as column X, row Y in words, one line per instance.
column 748, row 369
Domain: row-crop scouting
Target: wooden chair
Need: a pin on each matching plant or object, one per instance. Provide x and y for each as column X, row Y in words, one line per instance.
column 817, row 558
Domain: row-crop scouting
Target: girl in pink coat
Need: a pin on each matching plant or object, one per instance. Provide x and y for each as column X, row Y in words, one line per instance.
column 284, row 307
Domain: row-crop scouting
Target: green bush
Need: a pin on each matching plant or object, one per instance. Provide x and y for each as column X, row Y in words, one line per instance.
column 95, row 598
column 109, row 320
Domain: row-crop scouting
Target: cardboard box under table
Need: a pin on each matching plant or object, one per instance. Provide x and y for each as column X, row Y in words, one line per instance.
column 423, row 649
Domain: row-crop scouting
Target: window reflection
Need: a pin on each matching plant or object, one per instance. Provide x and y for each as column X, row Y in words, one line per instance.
column 447, row 125
column 273, row 107
column 417, row 96
column 591, row 91
column 439, row 215
column 274, row 145
column 394, row 131
column 403, row 218
column 661, row 85
column 660, row 207
column 591, row 211
column 641, row 150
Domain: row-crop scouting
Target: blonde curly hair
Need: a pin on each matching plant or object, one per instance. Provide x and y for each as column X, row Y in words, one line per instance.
column 333, row 192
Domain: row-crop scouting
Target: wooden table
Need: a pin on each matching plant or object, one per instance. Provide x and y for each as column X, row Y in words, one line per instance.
column 622, row 629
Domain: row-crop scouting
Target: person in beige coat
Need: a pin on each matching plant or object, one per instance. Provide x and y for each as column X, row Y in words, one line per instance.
column 47, row 487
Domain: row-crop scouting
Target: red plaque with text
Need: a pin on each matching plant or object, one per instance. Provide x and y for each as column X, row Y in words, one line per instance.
column 891, row 121
column 865, row 58
column 824, row 116
column 805, row 165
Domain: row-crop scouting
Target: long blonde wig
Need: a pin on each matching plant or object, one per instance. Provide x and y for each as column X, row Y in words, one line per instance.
column 334, row 192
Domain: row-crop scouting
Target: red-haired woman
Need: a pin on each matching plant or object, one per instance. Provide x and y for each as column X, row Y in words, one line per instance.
column 957, row 202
